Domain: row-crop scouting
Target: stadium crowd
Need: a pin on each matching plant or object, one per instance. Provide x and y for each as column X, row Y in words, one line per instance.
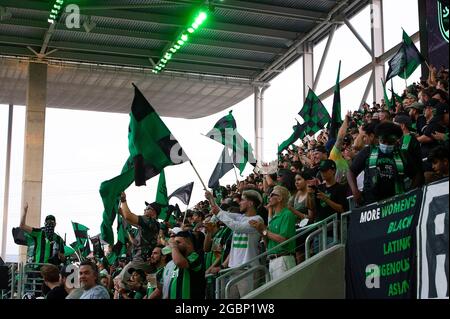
column 379, row 152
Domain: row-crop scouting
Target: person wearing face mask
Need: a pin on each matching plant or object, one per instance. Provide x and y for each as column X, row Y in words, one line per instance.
column 49, row 246
column 386, row 169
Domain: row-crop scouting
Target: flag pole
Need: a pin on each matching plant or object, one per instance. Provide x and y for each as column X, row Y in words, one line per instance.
column 406, row 83
column 185, row 213
column 234, row 168
column 198, row 175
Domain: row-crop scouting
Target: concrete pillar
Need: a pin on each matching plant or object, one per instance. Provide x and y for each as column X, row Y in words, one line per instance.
column 259, row 124
column 7, row 174
column 377, row 38
column 308, row 67
column 33, row 155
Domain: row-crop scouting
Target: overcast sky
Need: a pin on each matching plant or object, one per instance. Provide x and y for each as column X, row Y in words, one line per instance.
column 83, row 148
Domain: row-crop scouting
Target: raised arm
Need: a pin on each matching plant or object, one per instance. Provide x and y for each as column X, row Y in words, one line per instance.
column 23, row 224
column 125, row 211
column 342, row 131
column 177, row 256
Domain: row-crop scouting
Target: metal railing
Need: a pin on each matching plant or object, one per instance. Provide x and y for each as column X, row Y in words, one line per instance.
column 258, row 263
column 31, row 279
column 10, row 292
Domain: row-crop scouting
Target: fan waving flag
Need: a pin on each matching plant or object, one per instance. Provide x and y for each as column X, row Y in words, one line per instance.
column 336, row 120
column 405, row 61
column 314, row 114
column 225, row 132
column 183, row 193
column 81, row 234
column 299, row 132
column 151, row 146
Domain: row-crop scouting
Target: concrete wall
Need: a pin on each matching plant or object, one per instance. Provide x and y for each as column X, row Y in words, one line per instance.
column 320, row 277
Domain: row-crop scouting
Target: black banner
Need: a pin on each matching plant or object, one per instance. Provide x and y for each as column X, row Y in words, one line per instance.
column 380, row 250
column 437, row 15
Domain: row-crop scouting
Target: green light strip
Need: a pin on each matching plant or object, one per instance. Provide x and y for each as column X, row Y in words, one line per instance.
column 180, row 41
column 55, row 11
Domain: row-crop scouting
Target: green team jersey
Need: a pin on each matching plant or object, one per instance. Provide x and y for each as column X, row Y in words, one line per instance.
column 46, row 249
column 219, row 238
column 283, row 224
column 188, row 283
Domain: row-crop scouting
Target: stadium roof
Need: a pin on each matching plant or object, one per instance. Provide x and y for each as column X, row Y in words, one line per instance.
column 240, row 45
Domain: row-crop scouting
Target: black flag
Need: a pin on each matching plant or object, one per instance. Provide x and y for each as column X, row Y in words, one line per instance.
column 224, row 165
column 183, row 193
column 19, row 236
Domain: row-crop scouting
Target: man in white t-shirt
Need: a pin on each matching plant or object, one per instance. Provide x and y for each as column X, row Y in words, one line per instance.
column 245, row 238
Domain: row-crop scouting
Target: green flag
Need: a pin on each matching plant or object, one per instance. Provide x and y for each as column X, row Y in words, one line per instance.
column 151, row 146
column 385, row 96
column 314, row 114
column 336, row 120
column 161, row 196
column 405, row 61
column 299, row 132
column 81, row 235
column 68, row 251
column 225, row 132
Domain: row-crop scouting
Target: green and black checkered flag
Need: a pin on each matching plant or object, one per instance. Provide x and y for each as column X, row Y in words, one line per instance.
column 152, row 147
column 314, row 113
column 225, row 132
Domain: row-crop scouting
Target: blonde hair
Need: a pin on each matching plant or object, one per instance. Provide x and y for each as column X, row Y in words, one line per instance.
column 284, row 192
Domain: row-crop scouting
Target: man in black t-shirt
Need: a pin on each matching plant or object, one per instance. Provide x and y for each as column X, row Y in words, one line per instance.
column 330, row 197
column 50, row 274
column 434, row 124
column 385, row 168
column 148, row 227
column 415, row 113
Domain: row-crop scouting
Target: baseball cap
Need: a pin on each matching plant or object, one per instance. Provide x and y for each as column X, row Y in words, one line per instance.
column 103, row 273
column 411, row 96
column 50, row 218
column 175, row 230
column 326, row 165
column 123, row 256
column 155, row 206
column 403, row 119
column 416, row 105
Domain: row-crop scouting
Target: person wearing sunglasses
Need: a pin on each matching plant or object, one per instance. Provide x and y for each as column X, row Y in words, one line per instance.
column 281, row 227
